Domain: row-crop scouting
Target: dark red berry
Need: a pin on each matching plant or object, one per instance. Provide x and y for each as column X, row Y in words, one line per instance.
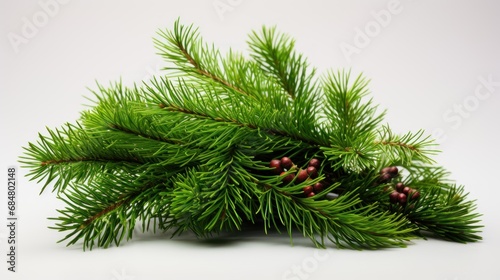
column 314, row 163
column 311, row 194
column 276, row 165
column 415, row 194
column 286, row 162
column 311, row 170
column 402, row 199
column 288, row 178
column 393, row 170
column 301, row 176
column 394, row 197
column 400, row 187
column 407, row 190
column 386, row 177
column 307, row 189
column 385, row 170
column 318, row 187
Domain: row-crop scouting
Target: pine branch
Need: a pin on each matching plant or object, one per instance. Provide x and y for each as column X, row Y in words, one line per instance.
column 406, row 148
column 197, row 150
column 104, row 212
column 341, row 221
column 275, row 54
column 353, row 122
column 184, row 47
column 445, row 212
column 208, row 104
column 69, row 154
column 186, row 50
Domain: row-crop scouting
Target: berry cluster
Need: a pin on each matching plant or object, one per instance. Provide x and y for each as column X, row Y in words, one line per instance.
column 281, row 166
column 388, row 173
column 402, row 194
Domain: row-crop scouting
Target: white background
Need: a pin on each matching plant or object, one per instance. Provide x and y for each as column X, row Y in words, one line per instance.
column 426, row 61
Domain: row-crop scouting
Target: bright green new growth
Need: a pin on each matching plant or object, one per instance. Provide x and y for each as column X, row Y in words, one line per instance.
column 190, row 151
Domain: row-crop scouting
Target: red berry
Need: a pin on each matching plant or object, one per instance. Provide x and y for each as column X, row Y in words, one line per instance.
column 288, row 178
column 318, row 187
column 307, row 189
column 301, row 176
column 415, row 194
column 402, row 199
column 311, row 170
column 385, row 170
column 311, row 194
column 276, row 165
column 407, row 190
column 400, row 187
column 393, row 170
column 315, row 163
column 286, row 162
column 394, row 197
column 386, row 177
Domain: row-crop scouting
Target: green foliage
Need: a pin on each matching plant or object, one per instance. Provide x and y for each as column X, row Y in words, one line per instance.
column 190, row 151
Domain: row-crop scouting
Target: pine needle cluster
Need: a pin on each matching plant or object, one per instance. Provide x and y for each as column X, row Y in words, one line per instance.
column 190, row 151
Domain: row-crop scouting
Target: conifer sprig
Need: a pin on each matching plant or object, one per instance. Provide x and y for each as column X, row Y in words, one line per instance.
column 191, row 151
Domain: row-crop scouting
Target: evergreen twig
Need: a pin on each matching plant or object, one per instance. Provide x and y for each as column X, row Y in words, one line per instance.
column 191, row 151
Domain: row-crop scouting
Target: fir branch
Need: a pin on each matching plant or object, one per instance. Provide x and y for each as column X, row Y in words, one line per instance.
column 340, row 221
column 275, row 54
column 352, row 122
column 403, row 149
column 186, row 53
column 345, row 109
column 69, row 154
column 104, row 212
column 184, row 47
column 215, row 198
column 191, row 151
column 425, row 175
column 445, row 212
column 207, row 103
